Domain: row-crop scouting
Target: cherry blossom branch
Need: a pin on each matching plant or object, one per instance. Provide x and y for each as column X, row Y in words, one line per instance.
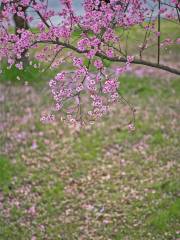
column 41, row 17
column 114, row 59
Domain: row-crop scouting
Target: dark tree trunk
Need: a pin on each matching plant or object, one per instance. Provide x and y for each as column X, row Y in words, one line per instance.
column 20, row 23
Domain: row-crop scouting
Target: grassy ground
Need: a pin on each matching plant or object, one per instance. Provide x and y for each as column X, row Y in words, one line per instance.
column 100, row 183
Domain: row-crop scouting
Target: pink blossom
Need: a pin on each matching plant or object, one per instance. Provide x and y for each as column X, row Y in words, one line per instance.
column 32, row 210
column 98, row 64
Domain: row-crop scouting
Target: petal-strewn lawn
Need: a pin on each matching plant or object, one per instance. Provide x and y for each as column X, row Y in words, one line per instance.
column 100, row 183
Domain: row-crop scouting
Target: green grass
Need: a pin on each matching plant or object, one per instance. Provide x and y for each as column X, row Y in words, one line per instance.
column 30, row 75
column 88, row 147
column 8, row 171
column 165, row 216
column 54, row 192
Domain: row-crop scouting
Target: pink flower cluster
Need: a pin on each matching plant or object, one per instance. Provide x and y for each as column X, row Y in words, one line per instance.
column 71, row 91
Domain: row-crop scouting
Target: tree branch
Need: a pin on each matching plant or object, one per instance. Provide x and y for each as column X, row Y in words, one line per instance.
column 159, row 29
column 115, row 59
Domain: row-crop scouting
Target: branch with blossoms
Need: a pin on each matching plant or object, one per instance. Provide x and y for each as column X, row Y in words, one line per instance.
column 87, row 42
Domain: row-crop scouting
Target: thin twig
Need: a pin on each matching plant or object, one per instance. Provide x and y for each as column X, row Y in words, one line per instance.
column 159, row 30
